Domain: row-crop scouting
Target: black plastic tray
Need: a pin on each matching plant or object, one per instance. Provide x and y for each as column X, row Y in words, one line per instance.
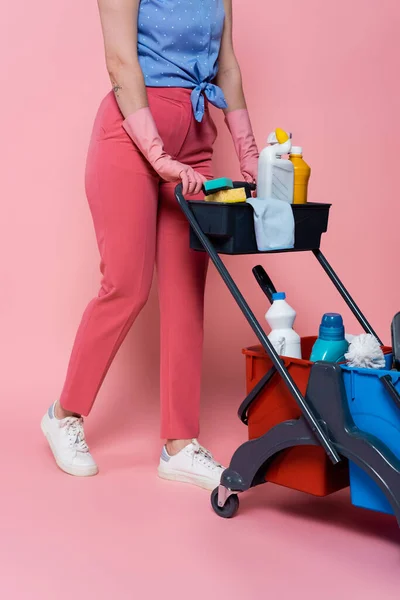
column 231, row 226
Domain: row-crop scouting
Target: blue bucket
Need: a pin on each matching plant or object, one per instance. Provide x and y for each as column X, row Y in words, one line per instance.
column 373, row 411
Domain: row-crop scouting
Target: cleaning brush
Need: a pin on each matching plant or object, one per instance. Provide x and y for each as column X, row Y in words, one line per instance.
column 365, row 353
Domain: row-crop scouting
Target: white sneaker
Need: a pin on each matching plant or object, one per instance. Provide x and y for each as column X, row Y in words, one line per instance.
column 193, row 464
column 66, row 438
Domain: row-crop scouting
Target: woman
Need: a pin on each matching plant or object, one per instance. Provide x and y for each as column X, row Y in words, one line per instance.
column 166, row 60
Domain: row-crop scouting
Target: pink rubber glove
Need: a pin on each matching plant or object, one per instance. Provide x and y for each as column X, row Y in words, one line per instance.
column 238, row 122
column 141, row 128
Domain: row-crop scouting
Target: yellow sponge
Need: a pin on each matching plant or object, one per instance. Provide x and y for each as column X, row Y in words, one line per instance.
column 228, row 196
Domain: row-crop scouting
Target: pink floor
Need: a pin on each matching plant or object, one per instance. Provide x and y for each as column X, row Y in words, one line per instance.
column 125, row 534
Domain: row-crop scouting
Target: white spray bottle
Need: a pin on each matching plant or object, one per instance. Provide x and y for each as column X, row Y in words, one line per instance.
column 275, row 174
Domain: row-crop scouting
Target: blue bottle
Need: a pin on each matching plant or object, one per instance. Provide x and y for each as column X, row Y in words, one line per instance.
column 331, row 345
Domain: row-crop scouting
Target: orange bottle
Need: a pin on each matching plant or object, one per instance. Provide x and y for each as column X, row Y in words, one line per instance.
column 302, row 174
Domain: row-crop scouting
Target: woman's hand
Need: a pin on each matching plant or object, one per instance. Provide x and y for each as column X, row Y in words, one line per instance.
column 249, row 169
column 239, row 125
column 172, row 170
column 141, row 128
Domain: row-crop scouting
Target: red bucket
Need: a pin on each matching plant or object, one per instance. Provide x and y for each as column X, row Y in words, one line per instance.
column 304, row 468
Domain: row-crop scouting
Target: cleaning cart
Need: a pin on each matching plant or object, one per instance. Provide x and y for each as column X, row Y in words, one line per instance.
column 341, row 424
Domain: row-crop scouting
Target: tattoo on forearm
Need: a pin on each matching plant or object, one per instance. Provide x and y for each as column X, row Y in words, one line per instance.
column 116, row 89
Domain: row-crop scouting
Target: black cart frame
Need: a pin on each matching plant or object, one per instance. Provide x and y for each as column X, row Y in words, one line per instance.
column 325, row 417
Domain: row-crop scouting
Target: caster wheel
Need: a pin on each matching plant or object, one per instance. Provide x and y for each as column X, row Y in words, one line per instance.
column 230, row 507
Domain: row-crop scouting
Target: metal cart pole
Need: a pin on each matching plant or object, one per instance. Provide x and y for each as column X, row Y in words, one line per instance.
column 258, row 330
column 345, row 294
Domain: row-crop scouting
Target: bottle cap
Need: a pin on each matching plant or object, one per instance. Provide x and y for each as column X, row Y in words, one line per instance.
column 279, row 137
column 296, row 150
column 331, row 327
column 279, row 296
column 282, row 136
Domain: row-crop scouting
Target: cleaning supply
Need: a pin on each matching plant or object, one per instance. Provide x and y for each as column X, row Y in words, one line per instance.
column 349, row 337
column 227, row 196
column 365, row 352
column 331, row 345
column 211, row 186
column 280, row 317
column 273, row 224
column 302, row 173
column 276, row 174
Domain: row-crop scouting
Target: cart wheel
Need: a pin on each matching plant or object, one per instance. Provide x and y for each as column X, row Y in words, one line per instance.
column 230, row 507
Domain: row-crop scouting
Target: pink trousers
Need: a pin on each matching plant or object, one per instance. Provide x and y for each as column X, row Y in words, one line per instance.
column 138, row 225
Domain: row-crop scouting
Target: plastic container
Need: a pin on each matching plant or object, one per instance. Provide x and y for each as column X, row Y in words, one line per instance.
column 275, row 174
column 308, row 468
column 331, row 345
column 304, row 468
column 231, row 226
column 281, row 317
column 302, row 173
column 375, row 412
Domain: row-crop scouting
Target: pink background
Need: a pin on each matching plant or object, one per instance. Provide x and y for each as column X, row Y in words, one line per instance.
column 325, row 71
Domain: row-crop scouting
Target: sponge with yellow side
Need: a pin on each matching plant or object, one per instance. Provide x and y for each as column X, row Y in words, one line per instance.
column 228, row 196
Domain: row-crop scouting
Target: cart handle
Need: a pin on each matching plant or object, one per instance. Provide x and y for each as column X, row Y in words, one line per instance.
column 243, row 411
column 388, row 383
column 249, row 187
column 264, row 281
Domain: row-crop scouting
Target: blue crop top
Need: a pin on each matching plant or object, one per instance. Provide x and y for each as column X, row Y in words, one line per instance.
column 178, row 46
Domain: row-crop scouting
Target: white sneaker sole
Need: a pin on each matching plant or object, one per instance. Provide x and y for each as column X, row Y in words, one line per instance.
column 203, row 482
column 70, row 469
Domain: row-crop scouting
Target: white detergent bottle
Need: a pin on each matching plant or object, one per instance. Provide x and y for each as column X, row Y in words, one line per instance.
column 276, row 174
column 280, row 317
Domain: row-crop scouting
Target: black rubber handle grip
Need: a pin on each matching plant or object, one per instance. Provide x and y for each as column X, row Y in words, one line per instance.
column 264, row 281
column 249, row 187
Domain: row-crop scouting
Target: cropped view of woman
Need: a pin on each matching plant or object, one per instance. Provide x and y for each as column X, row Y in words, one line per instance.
column 167, row 61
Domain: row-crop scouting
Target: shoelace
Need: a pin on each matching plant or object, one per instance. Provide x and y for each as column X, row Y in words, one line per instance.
column 76, row 434
column 204, row 456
